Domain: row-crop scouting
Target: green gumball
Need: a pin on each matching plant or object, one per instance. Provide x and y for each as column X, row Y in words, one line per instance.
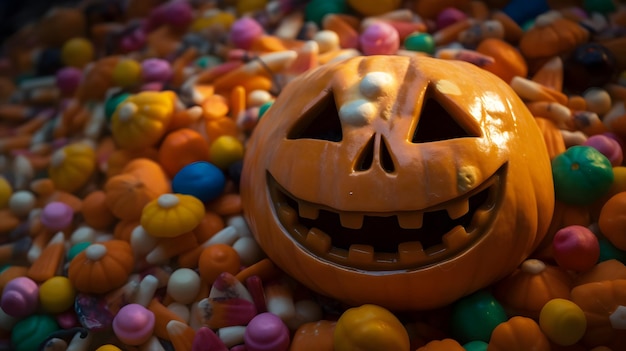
column 474, row 317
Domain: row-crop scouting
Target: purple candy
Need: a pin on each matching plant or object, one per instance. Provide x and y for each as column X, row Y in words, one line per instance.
column 266, row 332
column 155, row 70
column 56, row 216
column 68, row 79
column 244, row 32
column 607, row 146
column 133, row 324
column 379, row 38
column 20, row 297
column 449, row 16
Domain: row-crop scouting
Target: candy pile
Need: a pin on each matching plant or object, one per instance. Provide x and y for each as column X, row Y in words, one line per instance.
column 123, row 128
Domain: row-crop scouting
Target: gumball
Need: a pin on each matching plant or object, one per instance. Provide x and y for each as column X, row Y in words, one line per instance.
column 56, row 294
column 57, row 216
column 379, row 38
column 155, row 70
column 474, row 317
column 576, row 248
column 126, row 73
column 244, row 32
column 200, row 179
column 133, row 324
column 225, row 150
column 563, row 322
column 68, row 79
column 608, row 146
column 77, row 52
column 421, row 42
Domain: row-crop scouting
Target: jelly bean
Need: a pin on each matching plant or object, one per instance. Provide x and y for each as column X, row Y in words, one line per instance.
column 57, row 216
column 581, row 175
column 68, row 79
column 475, row 316
column 563, row 322
column 20, row 297
column 77, row 52
column 609, row 147
column 266, row 332
column 225, row 150
column 56, row 294
column 155, row 70
column 183, row 285
column 421, row 42
column 576, row 248
column 244, row 32
column 201, row 179
column 133, row 324
column 589, row 65
column 379, row 38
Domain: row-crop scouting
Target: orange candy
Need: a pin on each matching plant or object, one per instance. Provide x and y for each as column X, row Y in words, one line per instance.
column 95, row 211
column 180, row 148
column 509, row 62
column 216, row 259
column 612, row 220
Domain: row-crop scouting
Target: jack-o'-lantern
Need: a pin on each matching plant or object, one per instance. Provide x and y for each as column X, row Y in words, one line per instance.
column 402, row 182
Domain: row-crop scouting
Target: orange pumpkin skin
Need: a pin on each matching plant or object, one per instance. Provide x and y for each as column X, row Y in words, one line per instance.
column 379, row 167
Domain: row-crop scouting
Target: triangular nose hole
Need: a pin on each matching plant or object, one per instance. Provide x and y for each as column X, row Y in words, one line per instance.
column 366, row 158
column 386, row 161
column 436, row 124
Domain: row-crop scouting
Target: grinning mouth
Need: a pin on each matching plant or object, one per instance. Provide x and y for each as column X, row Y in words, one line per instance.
column 389, row 240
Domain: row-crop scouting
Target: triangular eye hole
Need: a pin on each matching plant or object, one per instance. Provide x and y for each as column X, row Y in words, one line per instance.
column 320, row 122
column 436, row 124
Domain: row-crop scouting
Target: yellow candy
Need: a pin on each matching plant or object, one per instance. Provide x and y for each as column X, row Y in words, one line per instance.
column 77, row 52
column 225, row 150
column 374, row 7
column 108, row 347
column 370, row 328
column 5, row 192
column 127, row 72
column 562, row 321
column 56, row 294
column 247, row 6
column 171, row 215
column 223, row 19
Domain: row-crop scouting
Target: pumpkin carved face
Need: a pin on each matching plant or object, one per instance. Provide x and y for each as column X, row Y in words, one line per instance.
column 402, row 182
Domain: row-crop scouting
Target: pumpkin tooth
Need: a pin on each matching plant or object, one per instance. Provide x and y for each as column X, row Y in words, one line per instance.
column 360, row 254
column 351, row 220
column 455, row 238
column 308, row 211
column 458, row 209
column 480, row 216
column 286, row 214
column 411, row 220
column 318, row 241
column 411, row 252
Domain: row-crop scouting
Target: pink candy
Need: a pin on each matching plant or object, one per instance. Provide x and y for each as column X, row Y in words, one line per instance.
column 576, row 248
column 57, row 216
column 133, row 324
column 20, row 297
column 379, row 38
column 244, row 32
column 266, row 332
column 608, row 146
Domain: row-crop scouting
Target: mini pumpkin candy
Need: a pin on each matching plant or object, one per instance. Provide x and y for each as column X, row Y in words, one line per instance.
column 171, row 215
column 72, row 166
column 402, row 182
column 142, row 119
column 101, row 267
column 518, row 333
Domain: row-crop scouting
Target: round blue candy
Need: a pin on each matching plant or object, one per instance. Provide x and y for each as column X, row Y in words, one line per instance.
column 201, row 179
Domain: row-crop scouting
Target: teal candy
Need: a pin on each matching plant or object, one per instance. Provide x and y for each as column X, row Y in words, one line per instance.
column 476, row 345
column 601, row 6
column 76, row 249
column 421, row 42
column 264, row 108
column 581, row 174
column 111, row 104
column 474, row 317
column 609, row 252
column 315, row 10
column 30, row 332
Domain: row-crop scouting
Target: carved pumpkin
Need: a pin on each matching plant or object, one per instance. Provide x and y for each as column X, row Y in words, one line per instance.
column 397, row 181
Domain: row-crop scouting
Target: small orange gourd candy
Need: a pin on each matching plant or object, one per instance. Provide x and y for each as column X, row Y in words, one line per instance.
column 612, row 221
column 552, row 35
column 72, row 166
column 97, row 80
column 171, row 215
column 531, row 286
column 140, row 182
column 95, row 211
column 101, row 267
column 508, row 61
column 180, row 148
column 142, row 119
column 518, row 334
column 442, row 345
column 604, row 305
